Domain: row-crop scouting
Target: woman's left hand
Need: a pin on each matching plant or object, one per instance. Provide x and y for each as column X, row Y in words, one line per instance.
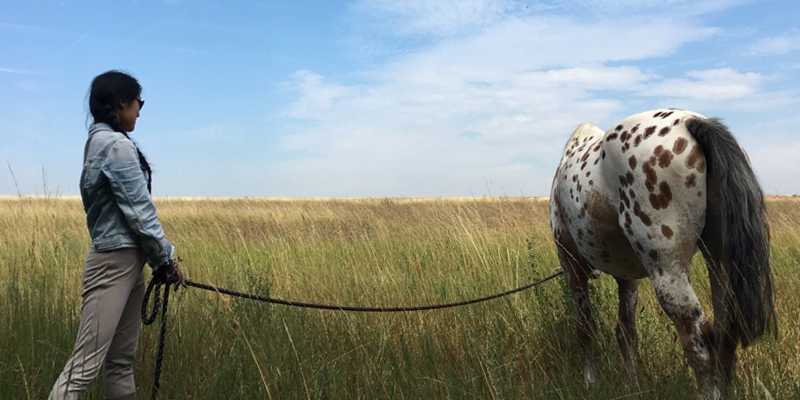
column 170, row 274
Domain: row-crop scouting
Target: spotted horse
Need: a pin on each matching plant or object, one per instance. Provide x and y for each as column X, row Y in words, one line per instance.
column 638, row 201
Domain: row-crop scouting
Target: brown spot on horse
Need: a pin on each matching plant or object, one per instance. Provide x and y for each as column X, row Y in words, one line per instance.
column 665, row 159
column 691, row 181
column 655, row 201
column 645, row 218
column 680, row 145
column 628, row 223
column 666, row 194
column 650, row 175
column 667, row 231
column 624, row 198
column 694, row 156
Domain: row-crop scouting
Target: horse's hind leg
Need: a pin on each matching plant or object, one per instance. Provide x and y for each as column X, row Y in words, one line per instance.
column 627, row 337
column 670, row 276
column 576, row 272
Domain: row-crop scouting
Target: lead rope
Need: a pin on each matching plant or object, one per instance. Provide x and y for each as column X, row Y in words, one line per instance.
column 365, row 309
column 149, row 318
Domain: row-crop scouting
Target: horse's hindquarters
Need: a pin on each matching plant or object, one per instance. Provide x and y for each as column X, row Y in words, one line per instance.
column 657, row 173
column 632, row 194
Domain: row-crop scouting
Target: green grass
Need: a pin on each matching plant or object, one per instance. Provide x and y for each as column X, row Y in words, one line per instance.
column 377, row 252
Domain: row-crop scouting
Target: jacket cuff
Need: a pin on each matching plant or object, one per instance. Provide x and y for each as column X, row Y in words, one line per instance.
column 162, row 257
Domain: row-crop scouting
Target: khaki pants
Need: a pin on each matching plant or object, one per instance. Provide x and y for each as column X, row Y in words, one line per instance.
column 113, row 289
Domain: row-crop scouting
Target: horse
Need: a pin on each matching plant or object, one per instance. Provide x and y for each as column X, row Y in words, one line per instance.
column 637, row 201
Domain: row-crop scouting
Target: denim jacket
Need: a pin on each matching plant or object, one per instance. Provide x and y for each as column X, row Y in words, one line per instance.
column 119, row 209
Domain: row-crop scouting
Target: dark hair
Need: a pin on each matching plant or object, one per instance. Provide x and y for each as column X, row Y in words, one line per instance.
column 108, row 90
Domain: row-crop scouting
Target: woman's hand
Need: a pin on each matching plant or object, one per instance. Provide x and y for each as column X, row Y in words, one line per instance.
column 169, row 274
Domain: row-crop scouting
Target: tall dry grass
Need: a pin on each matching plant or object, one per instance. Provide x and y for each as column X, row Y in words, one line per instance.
column 365, row 252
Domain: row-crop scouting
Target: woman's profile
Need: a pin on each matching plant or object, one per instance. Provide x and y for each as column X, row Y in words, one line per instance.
column 125, row 234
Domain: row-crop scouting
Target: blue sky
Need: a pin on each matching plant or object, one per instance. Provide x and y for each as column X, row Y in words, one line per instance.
column 379, row 98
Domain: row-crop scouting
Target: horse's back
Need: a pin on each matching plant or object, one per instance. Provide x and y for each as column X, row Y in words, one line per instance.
column 637, row 192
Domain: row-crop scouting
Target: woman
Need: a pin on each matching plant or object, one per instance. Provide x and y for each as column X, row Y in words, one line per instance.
column 126, row 233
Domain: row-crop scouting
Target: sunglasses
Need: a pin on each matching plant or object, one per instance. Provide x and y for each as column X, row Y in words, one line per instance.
column 141, row 102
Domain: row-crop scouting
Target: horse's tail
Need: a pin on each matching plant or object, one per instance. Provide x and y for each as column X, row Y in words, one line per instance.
column 745, row 231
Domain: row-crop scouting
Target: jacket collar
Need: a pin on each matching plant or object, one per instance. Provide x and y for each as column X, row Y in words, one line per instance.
column 99, row 126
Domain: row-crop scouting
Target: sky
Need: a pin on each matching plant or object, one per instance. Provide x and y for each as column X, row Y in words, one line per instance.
column 387, row 98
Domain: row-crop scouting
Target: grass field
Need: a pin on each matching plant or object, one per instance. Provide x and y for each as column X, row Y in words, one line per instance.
column 370, row 252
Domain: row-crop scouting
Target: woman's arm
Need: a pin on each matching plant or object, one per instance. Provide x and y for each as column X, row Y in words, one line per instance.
column 129, row 186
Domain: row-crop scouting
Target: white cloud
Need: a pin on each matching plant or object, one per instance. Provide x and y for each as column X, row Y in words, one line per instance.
column 534, row 43
column 492, row 107
column 776, row 45
column 771, row 141
column 393, row 140
column 778, row 166
column 24, row 28
column 439, row 18
column 658, row 7
column 486, row 106
column 450, row 17
column 17, row 71
column 719, row 89
column 316, row 97
column 723, row 83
